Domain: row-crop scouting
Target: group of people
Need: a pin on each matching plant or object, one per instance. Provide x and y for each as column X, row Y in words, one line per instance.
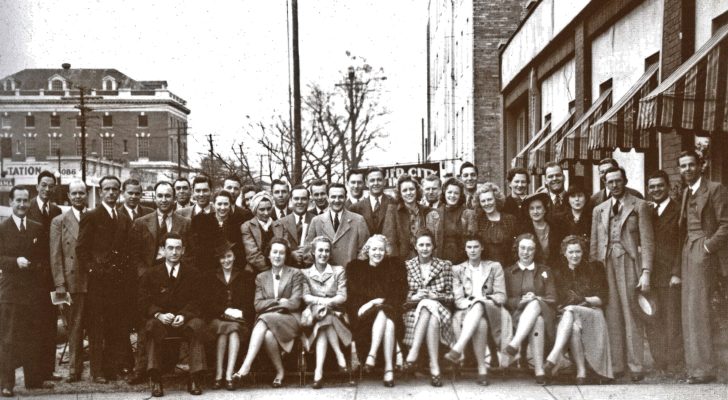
column 553, row 276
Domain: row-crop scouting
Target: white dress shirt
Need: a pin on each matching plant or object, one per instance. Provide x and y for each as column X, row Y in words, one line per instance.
column 169, row 269
column 109, row 209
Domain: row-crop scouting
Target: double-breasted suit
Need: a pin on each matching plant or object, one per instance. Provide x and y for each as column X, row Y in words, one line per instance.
column 624, row 242
column 347, row 241
column 148, row 238
column 704, row 225
column 374, row 220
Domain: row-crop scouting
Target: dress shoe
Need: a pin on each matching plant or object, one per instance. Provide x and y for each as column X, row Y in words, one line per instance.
column 389, row 383
column 318, row 384
column 277, row 383
column 637, row 377
column 240, row 379
column 699, row 380
column 368, row 368
column 453, row 357
column 157, row 389
column 511, row 351
column 344, row 369
column 194, row 387
column 548, row 368
column 436, row 380
column 100, row 379
column 136, row 378
column 541, row 380
column 482, row 380
column 229, row 385
column 218, row 384
column 5, row 392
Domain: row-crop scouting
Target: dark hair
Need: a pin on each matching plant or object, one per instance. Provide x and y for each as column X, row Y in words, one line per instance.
column 659, row 174
column 433, row 178
column 201, row 179
column 375, row 169
column 425, row 232
column 234, row 178
column 575, row 190
column 690, row 153
column 336, row 185
column 617, row 169
column 318, row 182
column 180, row 179
column 223, row 193
column 299, row 187
column 130, row 181
column 552, row 164
column 248, row 188
column 46, row 174
column 471, row 236
column 278, row 240
column 610, row 161
column 160, row 183
column 173, row 235
column 468, row 164
column 527, row 236
column 279, row 182
column 107, row 177
column 15, row 189
column 404, row 178
column 575, row 239
column 453, row 182
column 518, row 171
column 351, row 172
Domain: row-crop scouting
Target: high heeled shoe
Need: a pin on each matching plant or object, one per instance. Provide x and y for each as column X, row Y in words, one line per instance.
column 436, row 380
column 388, row 383
column 239, row 379
column 318, row 384
column 368, row 368
column 277, row 383
column 218, row 384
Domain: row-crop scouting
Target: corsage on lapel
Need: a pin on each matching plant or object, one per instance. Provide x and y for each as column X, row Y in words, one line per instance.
column 545, row 275
column 35, row 240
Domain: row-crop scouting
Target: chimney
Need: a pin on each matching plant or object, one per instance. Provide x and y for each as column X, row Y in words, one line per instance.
column 66, row 66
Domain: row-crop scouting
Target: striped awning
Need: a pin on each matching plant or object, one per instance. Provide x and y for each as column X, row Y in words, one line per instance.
column 544, row 151
column 521, row 160
column 693, row 98
column 575, row 144
column 617, row 128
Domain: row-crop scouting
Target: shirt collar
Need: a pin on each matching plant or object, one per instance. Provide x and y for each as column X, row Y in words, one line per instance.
column 372, row 197
column 199, row 209
column 265, row 225
column 109, row 210
column 169, row 268
column 327, row 270
column 16, row 219
column 77, row 213
column 354, row 200
column 663, row 205
column 130, row 210
column 695, row 186
column 334, row 213
column 529, row 267
column 40, row 203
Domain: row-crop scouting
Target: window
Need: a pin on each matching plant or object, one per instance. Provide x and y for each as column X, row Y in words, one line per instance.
column 78, row 121
column 107, row 121
column 173, row 146
column 143, row 146
column 6, row 147
column 126, row 146
column 54, row 145
column 30, row 146
column 108, row 83
column 79, row 148
column 55, row 121
column 143, row 121
column 107, row 148
column 30, row 121
column 56, row 84
column 5, row 122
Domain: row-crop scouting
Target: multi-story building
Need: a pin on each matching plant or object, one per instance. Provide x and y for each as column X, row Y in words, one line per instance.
column 580, row 81
column 133, row 128
column 463, row 86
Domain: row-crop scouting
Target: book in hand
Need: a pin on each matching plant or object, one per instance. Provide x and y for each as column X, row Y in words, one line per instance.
column 58, row 299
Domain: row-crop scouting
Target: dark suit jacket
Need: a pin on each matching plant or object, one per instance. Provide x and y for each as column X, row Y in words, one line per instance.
column 207, row 234
column 158, row 293
column 35, row 214
column 141, row 210
column 667, row 245
column 543, row 282
column 219, row 295
column 375, row 222
column 513, row 207
column 64, row 262
column 290, row 287
column 145, row 236
column 554, row 246
column 240, row 215
column 286, row 228
column 274, row 212
column 397, row 228
column 553, row 210
column 711, row 201
column 23, row 285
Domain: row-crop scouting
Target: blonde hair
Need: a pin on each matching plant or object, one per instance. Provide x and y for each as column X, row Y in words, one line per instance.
column 364, row 252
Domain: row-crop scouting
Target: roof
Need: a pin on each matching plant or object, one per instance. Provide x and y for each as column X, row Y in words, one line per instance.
column 37, row 78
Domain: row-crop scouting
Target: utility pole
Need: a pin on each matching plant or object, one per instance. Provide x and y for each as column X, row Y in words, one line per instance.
column 297, row 140
column 212, row 154
column 352, row 117
column 82, row 107
column 179, row 151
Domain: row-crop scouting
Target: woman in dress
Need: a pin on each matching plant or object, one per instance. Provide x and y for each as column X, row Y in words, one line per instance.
column 496, row 229
column 278, row 300
column 582, row 293
column 429, row 301
column 479, row 289
column 451, row 222
column 531, row 298
column 404, row 219
column 377, row 288
column 257, row 232
column 577, row 221
column 546, row 232
column 229, row 308
column 325, row 295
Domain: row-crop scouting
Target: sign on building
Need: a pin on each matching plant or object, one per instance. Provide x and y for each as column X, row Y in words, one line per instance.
column 6, row 184
column 419, row 171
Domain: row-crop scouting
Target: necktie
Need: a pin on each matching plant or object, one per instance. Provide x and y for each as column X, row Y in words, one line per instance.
column 688, row 195
column 615, row 207
column 299, row 228
column 163, row 229
column 113, row 214
column 171, row 273
column 557, row 201
column 22, row 225
column 134, row 214
column 45, row 209
column 376, row 204
column 336, row 222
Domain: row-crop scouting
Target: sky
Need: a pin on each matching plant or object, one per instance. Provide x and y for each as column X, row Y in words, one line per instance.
column 229, row 59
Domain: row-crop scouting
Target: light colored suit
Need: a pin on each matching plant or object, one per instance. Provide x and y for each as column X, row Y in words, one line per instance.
column 347, row 241
column 330, row 286
column 253, row 243
column 624, row 262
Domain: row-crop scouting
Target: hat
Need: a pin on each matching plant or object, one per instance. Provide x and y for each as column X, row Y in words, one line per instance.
column 223, row 248
column 645, row 305
column 543, row 196
column 260, row 196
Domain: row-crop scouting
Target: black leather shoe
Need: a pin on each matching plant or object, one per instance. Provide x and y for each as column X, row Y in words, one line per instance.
column 699, row 380
column 548, row 368
column 482, row 380
column 229, row 385
column 453, row 357
column 136, row 378
column 218, row 384
column 195, row 388
column 318, row 384
column 277, row 383
column 388, row 383
column 157, row 389
column 541, row 380
column 5, row 392
column 436, row 380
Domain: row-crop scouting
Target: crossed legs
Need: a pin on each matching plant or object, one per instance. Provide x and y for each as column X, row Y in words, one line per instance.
column 427, row 329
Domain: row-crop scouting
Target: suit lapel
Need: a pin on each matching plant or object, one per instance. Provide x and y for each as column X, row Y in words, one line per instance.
column 701, row 197
column 285, row 277
column 343, row 225
column 71, row 224
column 289, row 224
column 604, row 212
column 627, row 208
column 434, row 271
column 329, row 224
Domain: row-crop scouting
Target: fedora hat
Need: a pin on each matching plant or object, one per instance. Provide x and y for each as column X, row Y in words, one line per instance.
column 645, row 305
column 223, row 248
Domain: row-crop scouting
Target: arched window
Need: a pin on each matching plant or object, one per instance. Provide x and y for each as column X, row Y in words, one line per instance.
column 108, row 83
column 56, row 84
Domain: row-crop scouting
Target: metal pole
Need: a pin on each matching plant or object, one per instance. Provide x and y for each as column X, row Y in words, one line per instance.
column 352, row 118
column 179, row 151
column 297, row 140
column 83, row 137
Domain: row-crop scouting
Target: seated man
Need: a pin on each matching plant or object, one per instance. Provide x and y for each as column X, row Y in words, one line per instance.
column 169, row 302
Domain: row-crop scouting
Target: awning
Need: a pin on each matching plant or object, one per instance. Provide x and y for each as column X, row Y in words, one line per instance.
column 693, row 98
column 521, row 160
column 617, row 128
column 544, row 151
column 575, row 144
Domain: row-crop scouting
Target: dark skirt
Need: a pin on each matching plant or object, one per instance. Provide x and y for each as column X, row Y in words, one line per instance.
column 549, row 321
column 361, row 328
column 218, row 327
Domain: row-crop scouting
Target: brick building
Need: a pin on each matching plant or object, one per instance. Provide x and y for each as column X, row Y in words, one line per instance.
column 135, row 128
column 577, row 77
column 463, row 100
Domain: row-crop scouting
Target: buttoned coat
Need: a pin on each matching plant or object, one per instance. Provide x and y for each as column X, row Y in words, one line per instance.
column 667, row 245
column 64, row 262
column 711, row 202
column 636, row 232
column 253, row 244
column 23, row 285
column 375, row 221
column 328, row 286
column 146, row 244
column 440, row 282
column 347, row 241
column 397, row 229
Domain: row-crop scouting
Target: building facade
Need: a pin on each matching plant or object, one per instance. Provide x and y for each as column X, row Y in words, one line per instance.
column 464, row 109
column 576, row 74
column 133, row 128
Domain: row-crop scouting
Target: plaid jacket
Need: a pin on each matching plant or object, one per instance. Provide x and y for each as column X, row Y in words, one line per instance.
column 440, row 282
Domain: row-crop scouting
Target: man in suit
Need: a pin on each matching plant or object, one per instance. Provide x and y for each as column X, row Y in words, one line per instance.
column 103, row 249
column 355, row 183
column 238, row 213
column 347, row 230
column 248, row 192
column 603, row 195
column 317, row 189
column 43, row 210
column 23, row 296
column 294, row 226
column 281, row 195
column 664, row 331
column 432, row 189
column 202, row 188
column 469, row 177
column 622, row 238
column 373, row 207
column 704, row 227
column 132, row 189
column 554, row 187
column 67, row 276
column 169, row 300
column 183, row 191
column 518, row 180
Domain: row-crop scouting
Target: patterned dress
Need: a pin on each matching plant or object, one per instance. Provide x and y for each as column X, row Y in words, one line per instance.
column 439, row 281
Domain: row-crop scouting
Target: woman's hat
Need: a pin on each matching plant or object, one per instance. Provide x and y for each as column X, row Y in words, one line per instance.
column 260, row 196
column 223, row 248
column 543, row 196
column 645, row 305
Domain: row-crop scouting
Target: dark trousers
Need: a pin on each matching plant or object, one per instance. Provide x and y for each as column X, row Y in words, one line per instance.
column 20, row 344
column 193, row 331
column 76, row 322
column 48, row 333
column 664, row 332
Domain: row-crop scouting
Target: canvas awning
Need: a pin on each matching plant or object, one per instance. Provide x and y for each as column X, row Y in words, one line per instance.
column 575, row 144
column 521, row 159
column 544, row 151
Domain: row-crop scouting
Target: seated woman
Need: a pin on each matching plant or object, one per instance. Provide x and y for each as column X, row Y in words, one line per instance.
column 451, row 222
column 429, row 301
column 582, row 293
column 257, row 232
column 531, row 298
column 325, row 295
column 229, row 308
column 377, row 288
column 278, row 295
column 479, row 288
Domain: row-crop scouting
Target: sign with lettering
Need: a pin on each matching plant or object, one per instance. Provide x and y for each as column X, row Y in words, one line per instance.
column 6, row 184
column 419, row 171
